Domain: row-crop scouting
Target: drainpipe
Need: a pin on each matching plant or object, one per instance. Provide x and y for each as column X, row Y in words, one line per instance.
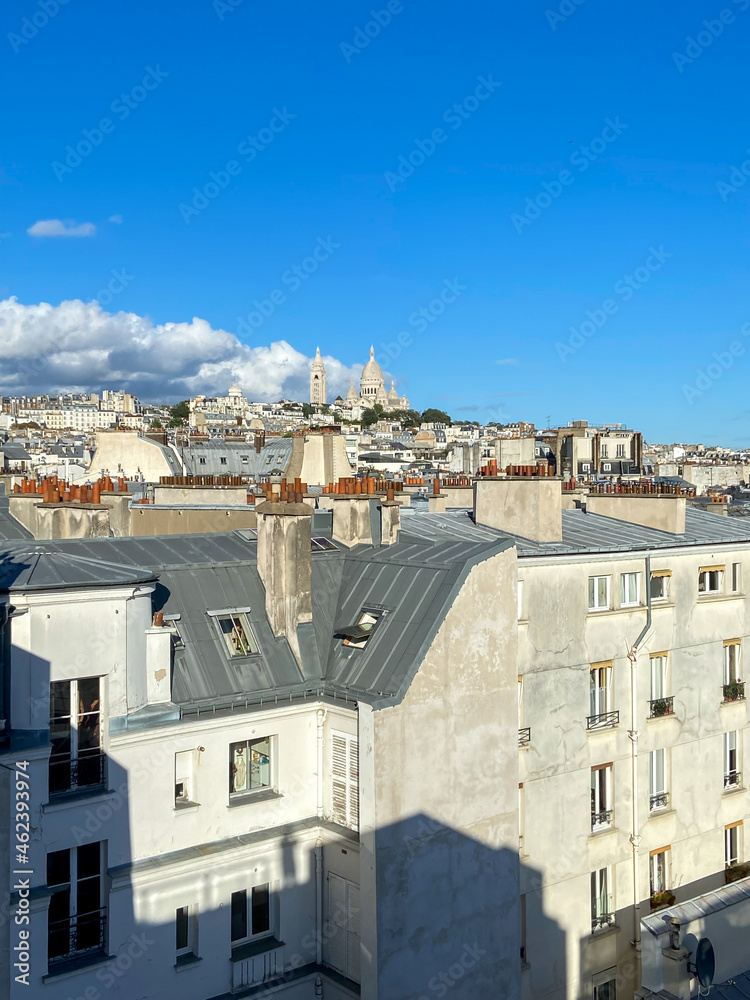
column 321, row 718
column 635, row 838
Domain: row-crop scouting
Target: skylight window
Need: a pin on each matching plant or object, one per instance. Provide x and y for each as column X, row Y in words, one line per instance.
column 235, row 631
column 321, row 543
column 358, row 635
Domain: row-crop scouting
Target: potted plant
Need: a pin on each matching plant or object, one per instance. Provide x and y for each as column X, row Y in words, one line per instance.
column 733, row 873
column 735, row 691
column 662, row 897
column 660, row 707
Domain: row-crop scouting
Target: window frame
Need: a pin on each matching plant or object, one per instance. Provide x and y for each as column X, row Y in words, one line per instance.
column 344, row 784
column 240, row 615
column 597, row 670
column 665, row 576
column 71, row 890
column 625, row 578
column 190, row 948
column 247, row 747
column 657, row 761
column 707, row 572
column 601, row 796
column 733, row 831
column 367, row 612
column 602, row 891
column 736, row 578
column 594, row 590
column 76, row 753
column 731, row 756
column 249, row 914
column 653, row 871
column 732, row 661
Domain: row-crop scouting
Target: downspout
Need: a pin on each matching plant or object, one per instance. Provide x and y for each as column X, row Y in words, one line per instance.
column 321, row 718
column 635, row 838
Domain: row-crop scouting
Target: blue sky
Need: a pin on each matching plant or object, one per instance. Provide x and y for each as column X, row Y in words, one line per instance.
column 183, row 87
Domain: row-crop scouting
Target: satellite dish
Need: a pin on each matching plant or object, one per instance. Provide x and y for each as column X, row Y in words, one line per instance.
column 705, row 962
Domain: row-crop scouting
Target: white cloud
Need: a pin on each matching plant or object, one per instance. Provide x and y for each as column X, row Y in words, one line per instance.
column 116, row 219
column 56, row 227
column 78, row 346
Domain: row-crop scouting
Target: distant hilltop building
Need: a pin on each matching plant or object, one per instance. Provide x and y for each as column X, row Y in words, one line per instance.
column 371, row 387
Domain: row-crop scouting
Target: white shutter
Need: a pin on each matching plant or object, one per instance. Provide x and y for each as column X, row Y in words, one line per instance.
column 337, row 919
column 345, row 780
column 352, row 932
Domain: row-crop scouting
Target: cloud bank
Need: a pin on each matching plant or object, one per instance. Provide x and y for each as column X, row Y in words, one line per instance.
column 79, row 347
column 56, row 227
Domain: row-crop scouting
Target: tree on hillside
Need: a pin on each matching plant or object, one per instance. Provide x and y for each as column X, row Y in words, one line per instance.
column 372, row 415
column 433, row 416
column 179, row 414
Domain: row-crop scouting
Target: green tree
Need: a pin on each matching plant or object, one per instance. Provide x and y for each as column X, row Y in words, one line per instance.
column 433, row 416
column 156, row 424
column 408, row 418
column 307, row 410
column 371, row 416
column 179, row 414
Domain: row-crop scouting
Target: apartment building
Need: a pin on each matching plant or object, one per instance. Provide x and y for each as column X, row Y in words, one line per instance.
column 371, row 751
column 586, row 452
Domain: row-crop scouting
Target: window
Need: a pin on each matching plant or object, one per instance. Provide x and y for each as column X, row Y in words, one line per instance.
column 235, row 630
column 343, row 916
column 710, row 579
column 732, row 846
column 605, row 985
column 76, row 760
column 186, row 932
column 602, row 906
column 620, row 451
column 201, row 460
column 358, row 635
column 736, row 577
column 251, row 913
column 731, row 760
column 732, row 661
column 183, row 777
column 76, row 918
column 598, row 593
column 658, row 795
column 522, row 917
column 244, row 459
column 657, row 870
column 222, row 460
column 660, row 702
column 630, row 589
column 659, row 585
column 606, row 467
column 601, row 797
column 585, row 466
column 604, row 451
column 345, row 780
column 249, row 766
column 600, row 689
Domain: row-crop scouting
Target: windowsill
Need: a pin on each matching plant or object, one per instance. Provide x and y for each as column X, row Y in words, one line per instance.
column 732, row 789
column 258, row 947
column 187, row 961
column 601, row 932
column 620, row 610
column 245, row 798
column 67, row 800
column 75, row 965
column 710, row 598
column 732, row 701
column 602, row 832
column 658, row 813
column 661, row 718
column 661, row 602
column 188, row 804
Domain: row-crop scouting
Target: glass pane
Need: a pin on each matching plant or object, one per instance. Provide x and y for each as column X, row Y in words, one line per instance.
column 261, row 909
column 260, row 763
column 89, row 860
column 88, row 931
column 603, row 599
column 623, row 589
column 59, row 699
column 58, row 868
column 239, row 915
column 88, row 695
column 591, row 592
column 88, row 897
column 181, row 928
column 238, row 776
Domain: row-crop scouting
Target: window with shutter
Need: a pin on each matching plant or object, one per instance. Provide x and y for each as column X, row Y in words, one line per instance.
column 343, row 919
column 345, row 780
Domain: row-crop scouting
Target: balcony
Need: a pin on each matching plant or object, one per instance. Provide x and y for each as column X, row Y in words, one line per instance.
column 601, row 820
column 524, row 736
column 732, row 779
column 658, row 801
column 735, row 691
column 659, row 707
column 256, row 963
column 606, row 720
column 76, row 936
column 662, row 897
column 89, row 770
column 736, row 871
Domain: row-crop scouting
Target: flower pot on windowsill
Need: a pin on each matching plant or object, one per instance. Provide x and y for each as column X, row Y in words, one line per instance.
column 734, row 691
column 733, row 873
column 661, row 707
column 662, row 898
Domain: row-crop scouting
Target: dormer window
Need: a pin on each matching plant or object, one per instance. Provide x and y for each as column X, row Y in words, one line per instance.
column 359, row 634
column 236, row 633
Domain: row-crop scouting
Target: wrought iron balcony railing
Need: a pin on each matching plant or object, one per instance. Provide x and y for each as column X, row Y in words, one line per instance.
column 732, row 779
column 600, row 920
column 659, row 707
column 606, row 720
column 599, row 820
column 524, row 736
column 88, row 770
column 76, row 935
column 659, row 801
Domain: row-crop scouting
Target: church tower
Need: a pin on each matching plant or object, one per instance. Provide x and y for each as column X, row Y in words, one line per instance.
column 317, row 380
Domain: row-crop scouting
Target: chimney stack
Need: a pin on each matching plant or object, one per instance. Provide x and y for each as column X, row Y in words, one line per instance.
column 390, row 519
column 285, row 564
column 352, row 524
column 528, row 506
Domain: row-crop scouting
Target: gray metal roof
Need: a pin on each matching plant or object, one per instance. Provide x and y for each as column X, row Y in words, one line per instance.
column 10, row 528
column 43, row 566
column 241, row 458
